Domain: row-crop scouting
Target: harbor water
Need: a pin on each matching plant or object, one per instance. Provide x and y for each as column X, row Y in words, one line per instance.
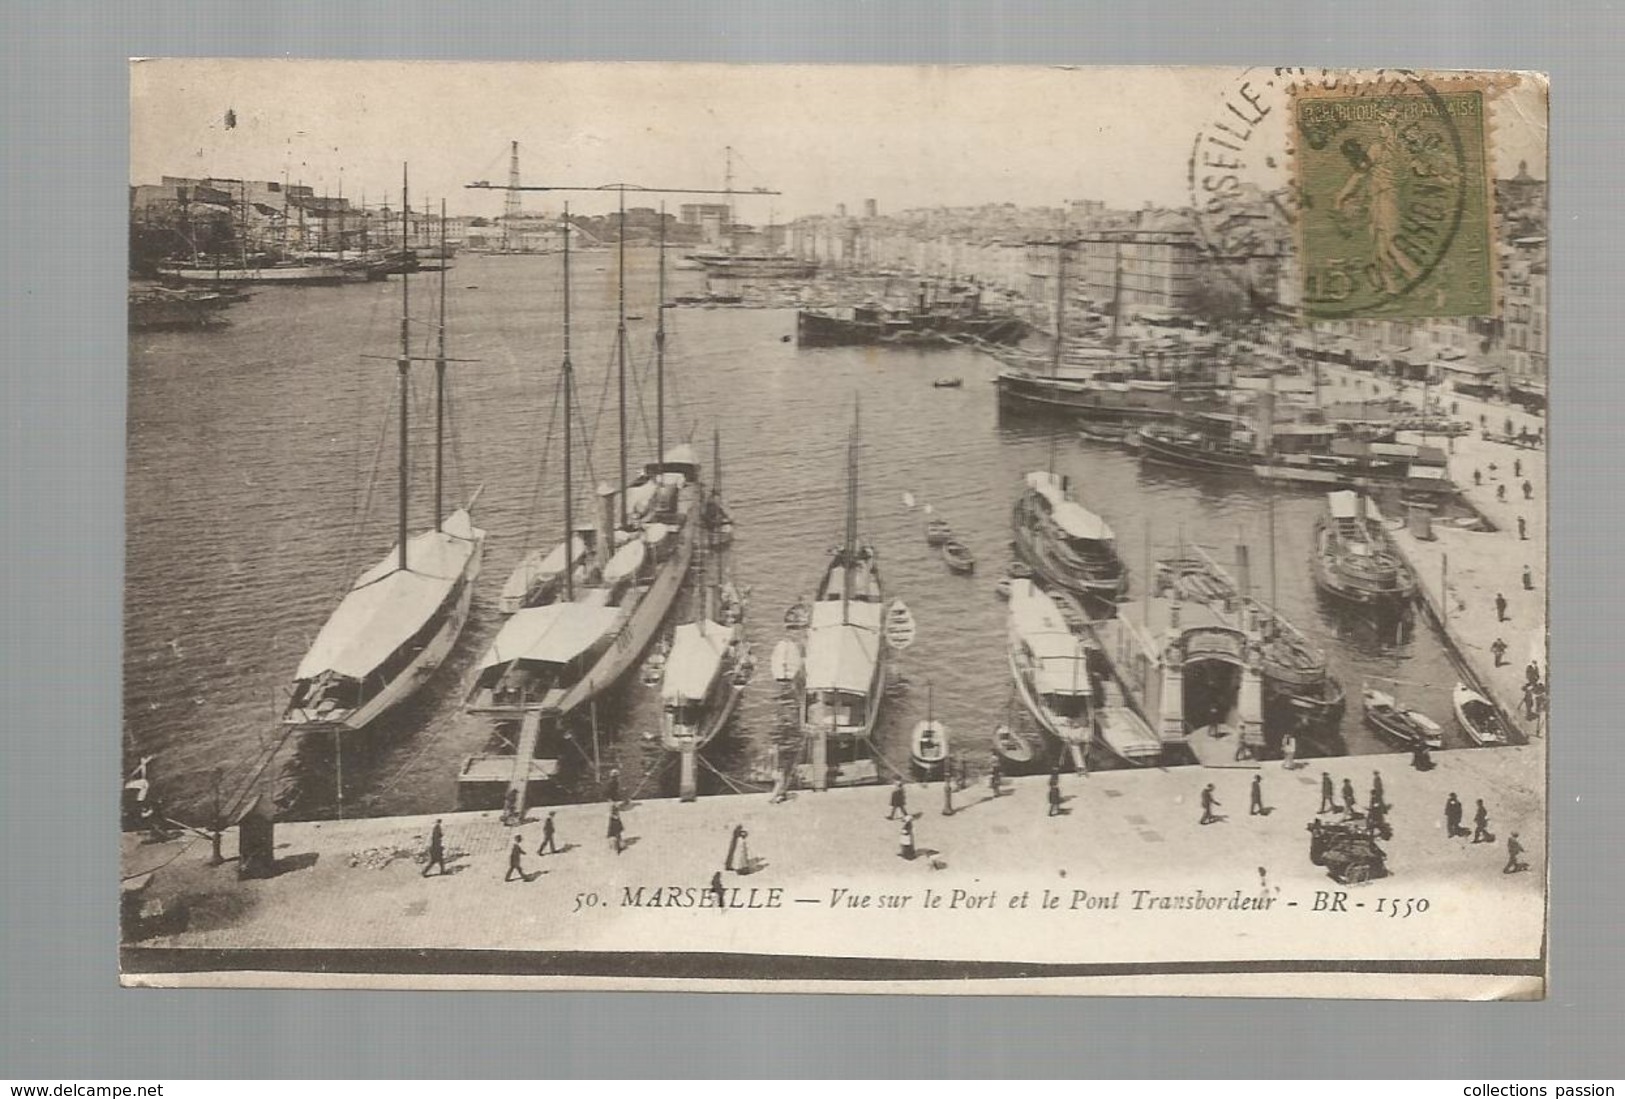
column 261, row 480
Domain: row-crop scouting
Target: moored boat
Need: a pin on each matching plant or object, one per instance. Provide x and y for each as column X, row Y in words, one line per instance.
column 1067, row 546
column 401, row 617
column 844, row 669
column 928, row 742
column 1049, row 664
column 958, row 556
column 1408, row 727
column 1300, row 692
column 1479, row 718
column 1355, row 559
column 1014, row 748
column 937, row 531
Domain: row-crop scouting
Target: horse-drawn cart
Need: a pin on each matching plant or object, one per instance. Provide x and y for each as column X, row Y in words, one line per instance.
column 1348, row 850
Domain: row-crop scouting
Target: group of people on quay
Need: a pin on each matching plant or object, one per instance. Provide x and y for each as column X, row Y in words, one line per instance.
column 1340, row 801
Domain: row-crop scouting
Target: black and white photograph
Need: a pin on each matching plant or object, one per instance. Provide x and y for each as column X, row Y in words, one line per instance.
column 821, row 528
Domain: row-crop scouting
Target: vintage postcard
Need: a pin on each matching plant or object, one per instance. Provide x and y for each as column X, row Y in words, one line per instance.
column 836, row 529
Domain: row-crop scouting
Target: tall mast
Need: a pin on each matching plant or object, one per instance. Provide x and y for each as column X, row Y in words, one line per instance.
column 402, row 365
column 849, row 550
column 1117, row 289
column 620, row 348
column 569, row 500
column 660, row 349
column 341, row 216
column 440, row 380
column 1060, row 329
column 510, row 208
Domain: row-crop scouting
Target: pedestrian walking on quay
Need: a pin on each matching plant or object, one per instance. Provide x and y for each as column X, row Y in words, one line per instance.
column 1478, row 477
column 437, row 850
column 1481, row 824
column 995, row 775
column 1501, row 607
column 1501, row 493
column 1209, row 803
column 1255, row 804
column 612, row 788
column 1531, row 674
column 1523, row 529
column 1499, row 650
column 1376, row 820
column 1054, row 797
column 548, row 846
column 616, row 828
column 1289, row 753
column 1377, row 797
column 1528, row 491
column 734, row 835
column 1515, row 864
column 1529, row 690
column 1517, row 467
column 1452, row 817
column 948, row 789
column 1421, row 758
column 1528, row 579
column 1348, row 796
column 899, row 802
column 906, row 839
column 742, row 864
column 720, row 891
column 516, row 860
column 1328, row 794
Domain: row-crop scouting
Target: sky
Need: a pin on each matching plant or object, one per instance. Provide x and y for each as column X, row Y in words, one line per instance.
column 822, row 135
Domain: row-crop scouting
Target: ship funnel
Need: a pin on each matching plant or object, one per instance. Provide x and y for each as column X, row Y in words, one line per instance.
column 1266, row 422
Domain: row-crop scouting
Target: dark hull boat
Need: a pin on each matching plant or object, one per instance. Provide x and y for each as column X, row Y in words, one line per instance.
column 1355, row 560
column 939, row 325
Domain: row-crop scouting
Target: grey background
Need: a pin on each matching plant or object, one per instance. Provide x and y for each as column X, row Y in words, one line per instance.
column 62, row 1017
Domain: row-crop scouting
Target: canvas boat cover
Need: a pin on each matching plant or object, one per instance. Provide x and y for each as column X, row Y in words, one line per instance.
column 626, row 562
column 697, row 649
column 535, row 567
column 554, row 634
column 1072, row 517
column 842, row 656
column 387, row 605
column 1038, row 622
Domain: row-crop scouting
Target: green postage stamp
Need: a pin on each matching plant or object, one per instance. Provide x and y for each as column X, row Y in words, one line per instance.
column 1394, row 200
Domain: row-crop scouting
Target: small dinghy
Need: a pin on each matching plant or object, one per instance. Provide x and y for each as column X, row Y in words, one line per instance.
column 900, row 627
column 937, row 531
column 1111, row 436
column 797, row 617
column 948, row 383
column 958, row 556
column 1017, row 751
column 928, row 743
column 1002, row 588
column 1478, row 718
column 786, row 660
column 1019, row 570
column 1408, row 727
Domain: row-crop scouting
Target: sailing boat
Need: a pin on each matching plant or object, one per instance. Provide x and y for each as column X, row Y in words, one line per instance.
column 560, row 657
column 844, row 674
column 705, row 672
column 402, row 616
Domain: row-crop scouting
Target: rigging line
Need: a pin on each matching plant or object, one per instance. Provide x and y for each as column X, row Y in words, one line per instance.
column 739, row 787
column 603, row 400
column 360, row 518
column 533, row 512
column 647, row 775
